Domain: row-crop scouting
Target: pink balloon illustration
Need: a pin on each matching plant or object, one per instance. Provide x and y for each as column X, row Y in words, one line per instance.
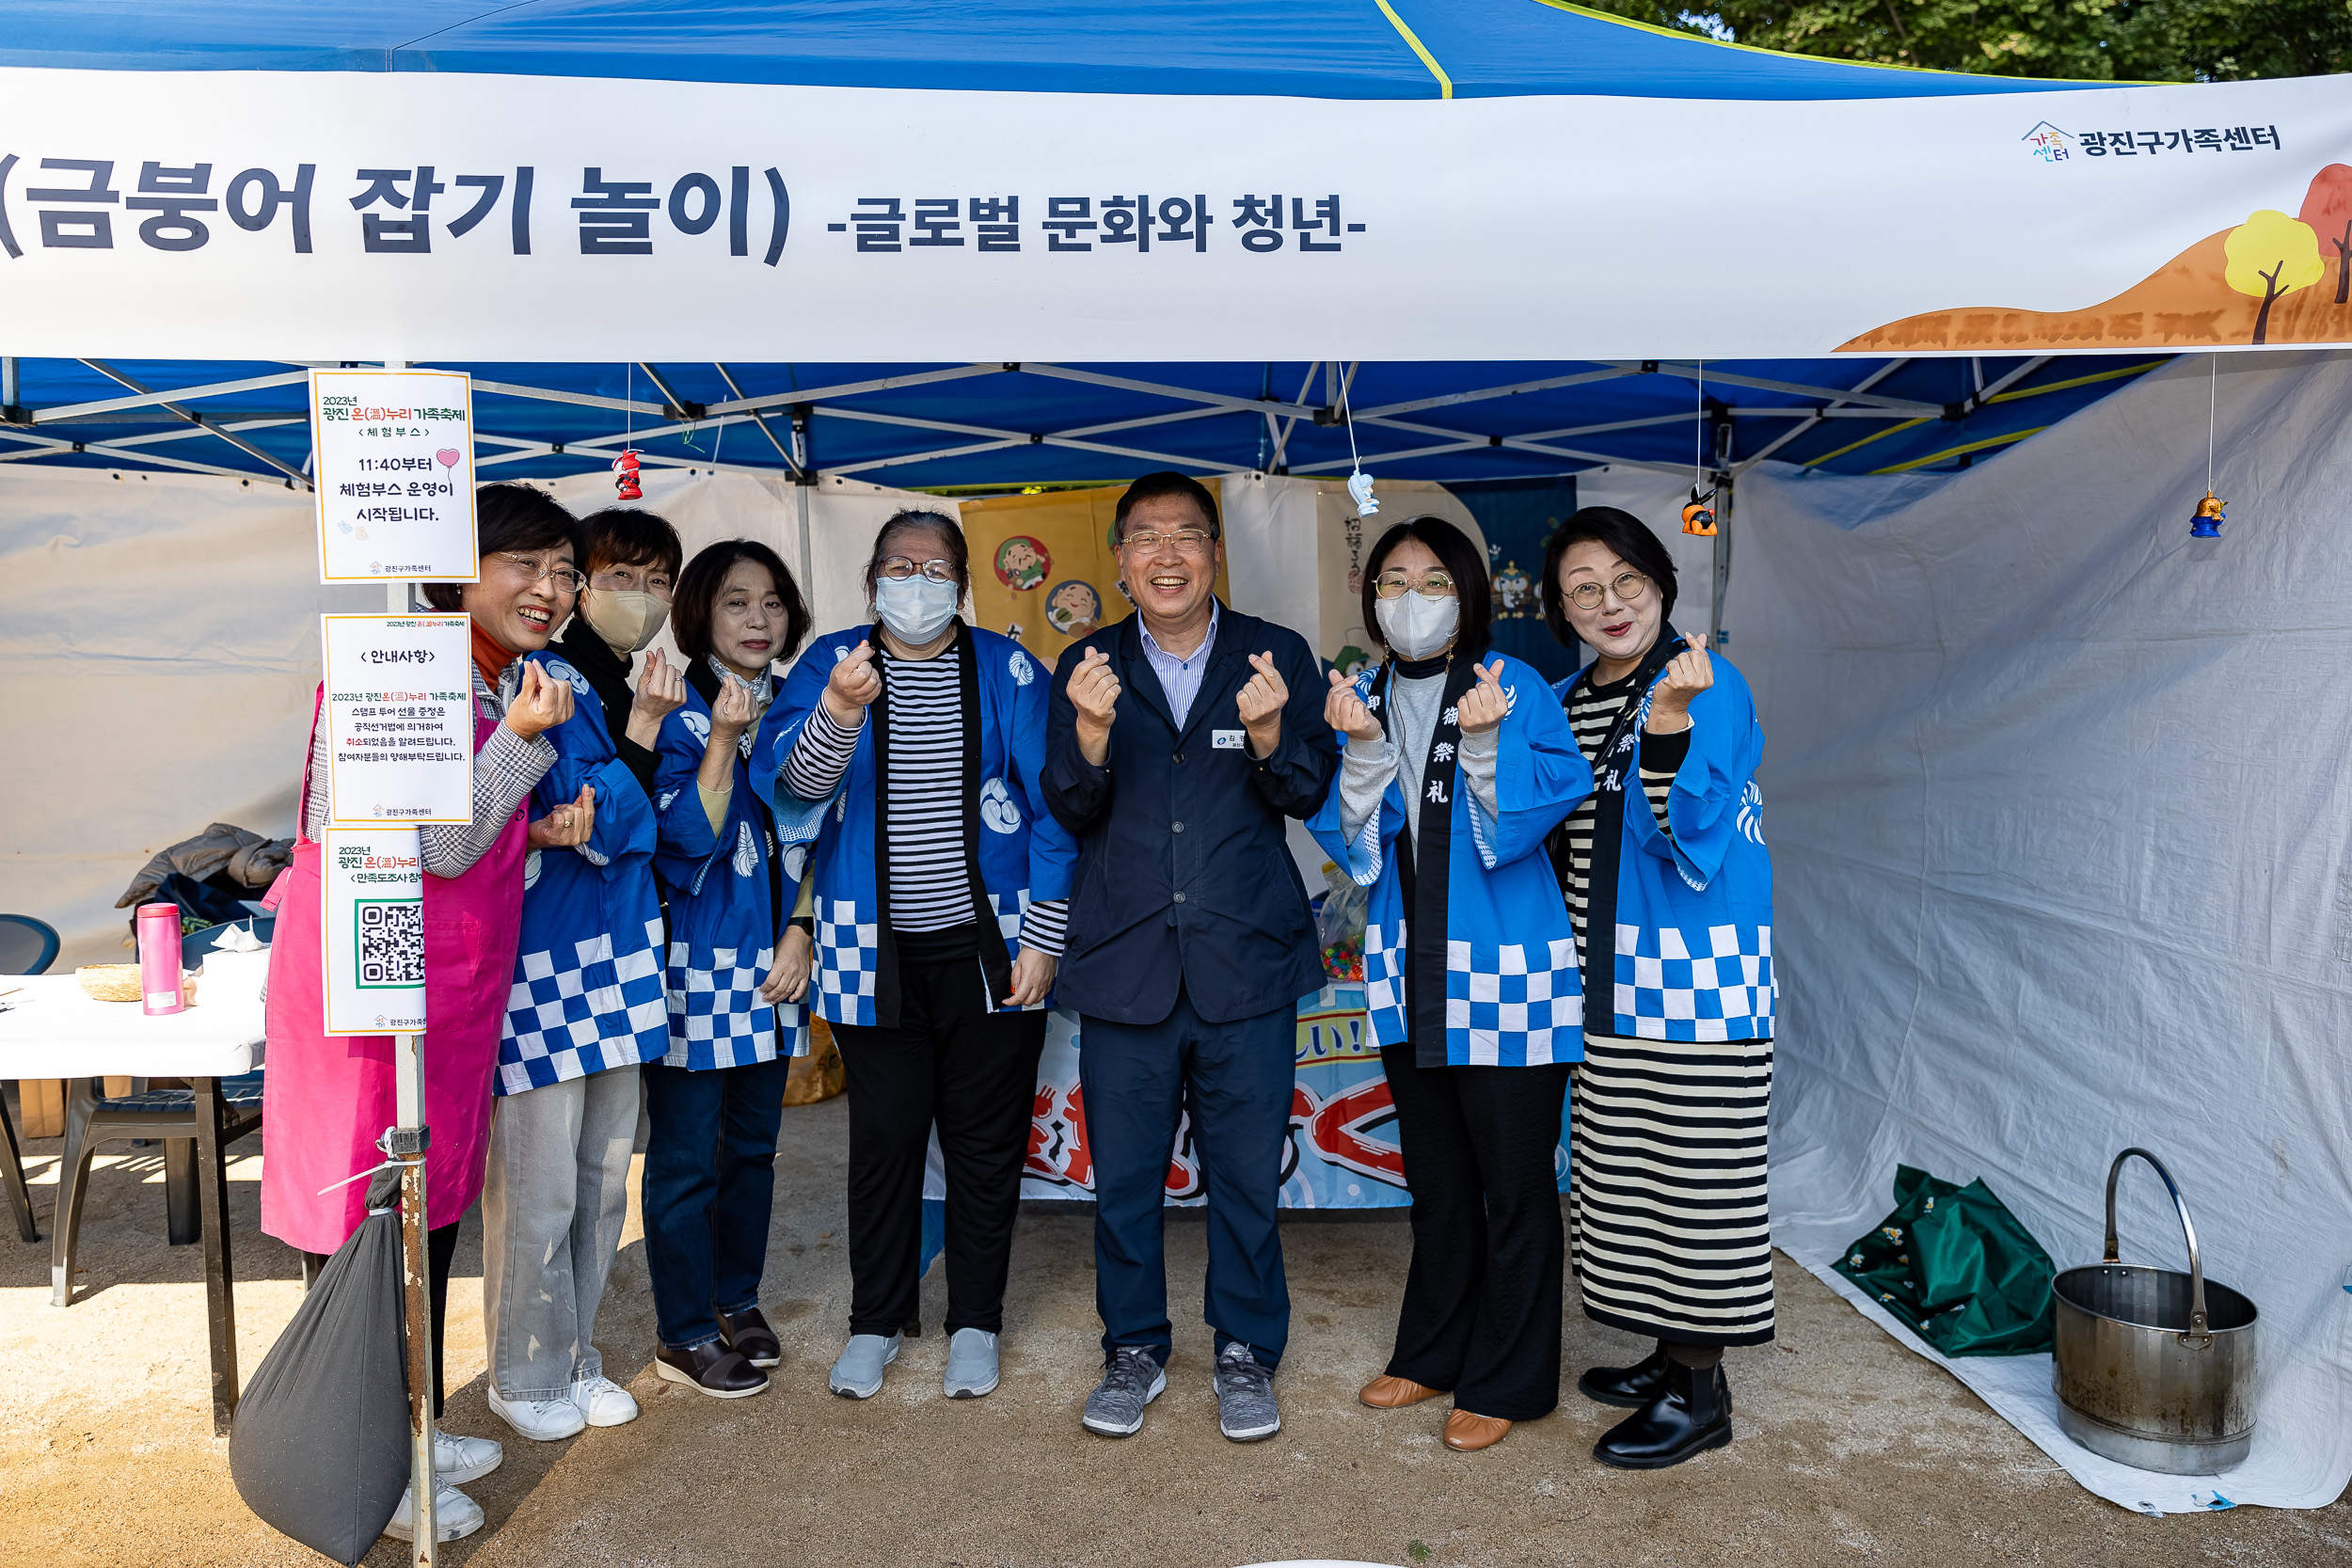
column 447, row 457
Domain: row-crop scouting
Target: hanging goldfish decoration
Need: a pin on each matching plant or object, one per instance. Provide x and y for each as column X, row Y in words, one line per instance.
column 2207, row 520
column 625, row 486
column 1699, row 515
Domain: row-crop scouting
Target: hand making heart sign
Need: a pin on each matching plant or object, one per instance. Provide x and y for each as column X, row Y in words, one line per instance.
column 1484, row 706
column 1093, row 690
column 1259, row 704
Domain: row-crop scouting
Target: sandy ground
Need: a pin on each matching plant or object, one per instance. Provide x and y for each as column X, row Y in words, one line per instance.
column 1848, row 1447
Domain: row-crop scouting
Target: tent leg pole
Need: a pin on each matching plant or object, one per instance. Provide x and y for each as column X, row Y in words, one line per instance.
column 1724, row 488
column 801, row 481
column 417, row 1298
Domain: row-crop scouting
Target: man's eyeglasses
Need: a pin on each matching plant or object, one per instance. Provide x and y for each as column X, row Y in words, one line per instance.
column 1627, row 586
column 1431, row 585
column 567, row 578
column 898, row 568
column 1187, row 540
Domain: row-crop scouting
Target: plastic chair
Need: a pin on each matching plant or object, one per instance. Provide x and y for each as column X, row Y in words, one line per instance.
column 92, row 1118
column 27, row 946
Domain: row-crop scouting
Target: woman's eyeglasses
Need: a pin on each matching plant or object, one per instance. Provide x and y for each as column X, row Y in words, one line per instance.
column 566, row 576
column 898, row 568
column 1431, row 585
column 1627, row 586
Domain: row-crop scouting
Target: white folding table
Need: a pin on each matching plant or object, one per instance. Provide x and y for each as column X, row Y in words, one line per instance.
column 51, row 1029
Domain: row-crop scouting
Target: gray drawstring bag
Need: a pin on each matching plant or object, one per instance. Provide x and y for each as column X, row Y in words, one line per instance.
column 320, row 1447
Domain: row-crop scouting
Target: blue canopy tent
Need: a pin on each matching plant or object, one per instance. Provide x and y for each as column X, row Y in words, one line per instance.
column 957, row 425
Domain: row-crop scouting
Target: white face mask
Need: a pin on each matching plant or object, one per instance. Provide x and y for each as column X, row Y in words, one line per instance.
column 626, row 618
column 917, row 608
column 1414, row 626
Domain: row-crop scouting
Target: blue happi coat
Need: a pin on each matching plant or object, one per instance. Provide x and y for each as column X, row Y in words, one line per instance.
column 724, row 914
column 587, row 992
column 1512, row 994
column 1024, row 854
column 1693, row 910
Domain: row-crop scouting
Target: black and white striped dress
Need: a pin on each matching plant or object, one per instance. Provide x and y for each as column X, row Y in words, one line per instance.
column 1669, row 1231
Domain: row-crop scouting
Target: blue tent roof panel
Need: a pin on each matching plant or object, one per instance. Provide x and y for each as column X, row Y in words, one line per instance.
column 1291, row 48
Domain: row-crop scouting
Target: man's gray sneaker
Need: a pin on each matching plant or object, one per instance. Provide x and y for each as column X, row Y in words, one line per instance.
column 859, row 1373
column 1244, row 1396
column 971, row 1364
column 1132, row 1381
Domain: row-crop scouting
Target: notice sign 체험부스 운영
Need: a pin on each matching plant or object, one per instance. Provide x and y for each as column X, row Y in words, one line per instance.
column 399, row 716
column 394, row 470
column 372, row 930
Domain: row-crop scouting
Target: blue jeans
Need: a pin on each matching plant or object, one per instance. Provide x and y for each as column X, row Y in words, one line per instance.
column 1236, row 1080
column 709, row 1184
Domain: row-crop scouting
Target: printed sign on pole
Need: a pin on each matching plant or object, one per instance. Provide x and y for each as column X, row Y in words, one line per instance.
column 393, row 466
column 372, row 931
column 399, row 718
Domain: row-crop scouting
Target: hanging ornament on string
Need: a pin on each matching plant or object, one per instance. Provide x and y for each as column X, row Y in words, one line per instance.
column 625, row 486
column 1359, row 482
column 2205, row 522
column 1698, row 514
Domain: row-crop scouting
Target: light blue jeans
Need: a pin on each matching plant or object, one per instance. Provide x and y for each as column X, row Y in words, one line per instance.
column 552, row 1206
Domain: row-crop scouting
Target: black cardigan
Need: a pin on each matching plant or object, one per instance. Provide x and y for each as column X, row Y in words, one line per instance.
column 608, row 674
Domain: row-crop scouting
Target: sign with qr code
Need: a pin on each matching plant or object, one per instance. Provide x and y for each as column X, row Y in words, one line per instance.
column 393, row 505
column 399, row 718
column 373, row 929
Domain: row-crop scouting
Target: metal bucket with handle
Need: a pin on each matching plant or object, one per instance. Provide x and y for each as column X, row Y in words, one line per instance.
column 2156, row 1368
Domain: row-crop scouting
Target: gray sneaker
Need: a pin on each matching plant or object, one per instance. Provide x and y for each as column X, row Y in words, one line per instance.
column 1244, row 1396
column 971, row 1364
column 858, row 1374
column 1132, row 1381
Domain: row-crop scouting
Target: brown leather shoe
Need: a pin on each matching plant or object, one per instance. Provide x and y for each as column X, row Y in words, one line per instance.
column 711, row 1369
column 748, row 1332
column 1467, row 1433
column 1394, row 1393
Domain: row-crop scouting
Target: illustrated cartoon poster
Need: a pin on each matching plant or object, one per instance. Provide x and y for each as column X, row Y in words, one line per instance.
column 1343, row 540
column 1044, row 571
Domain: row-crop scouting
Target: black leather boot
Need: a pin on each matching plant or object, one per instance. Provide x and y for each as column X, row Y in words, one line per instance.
column 1627, row 1387
column 1690, row 1415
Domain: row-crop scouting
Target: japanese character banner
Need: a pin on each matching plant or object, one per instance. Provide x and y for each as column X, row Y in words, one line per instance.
column 322, row 217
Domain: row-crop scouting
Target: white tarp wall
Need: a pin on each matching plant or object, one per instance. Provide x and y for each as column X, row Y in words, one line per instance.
column 159, row 647
column 2059, row 800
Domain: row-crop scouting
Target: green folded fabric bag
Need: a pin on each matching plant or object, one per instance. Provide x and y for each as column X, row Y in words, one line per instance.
column 1954, row 1264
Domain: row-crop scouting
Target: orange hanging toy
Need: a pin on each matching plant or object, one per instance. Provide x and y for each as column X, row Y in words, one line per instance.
column 625, row 486
column 1699, row 515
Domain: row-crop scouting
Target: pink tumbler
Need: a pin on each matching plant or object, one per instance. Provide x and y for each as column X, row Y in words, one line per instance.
column 159, row 957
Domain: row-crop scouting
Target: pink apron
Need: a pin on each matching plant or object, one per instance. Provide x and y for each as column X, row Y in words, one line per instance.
column 324, row 1100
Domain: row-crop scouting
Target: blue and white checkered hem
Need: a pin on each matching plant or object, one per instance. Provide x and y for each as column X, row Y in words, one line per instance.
column 1724, row 991
column 716, row 1018
column 1519, row 1007
column 597, row 1013
column 848, row 959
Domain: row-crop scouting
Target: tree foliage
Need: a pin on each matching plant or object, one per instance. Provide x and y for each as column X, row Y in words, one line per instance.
column 2126, row 41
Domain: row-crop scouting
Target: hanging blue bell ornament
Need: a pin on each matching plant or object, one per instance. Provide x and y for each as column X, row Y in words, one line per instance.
column 2210, row 514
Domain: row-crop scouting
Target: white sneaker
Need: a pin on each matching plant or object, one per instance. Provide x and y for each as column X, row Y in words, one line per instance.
column 605, row 1402
column 458, row 1460
column 542, row 1420
column 455, row 1516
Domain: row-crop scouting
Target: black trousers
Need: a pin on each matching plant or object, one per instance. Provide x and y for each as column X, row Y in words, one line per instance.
column 440, row 1251
column 1482, row 1300
column 973, row 1070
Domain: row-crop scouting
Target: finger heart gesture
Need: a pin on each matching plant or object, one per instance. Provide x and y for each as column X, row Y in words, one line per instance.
column 1345, row 712
column 1484, row 706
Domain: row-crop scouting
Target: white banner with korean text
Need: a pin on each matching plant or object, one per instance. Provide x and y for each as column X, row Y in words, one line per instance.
column 318, row 216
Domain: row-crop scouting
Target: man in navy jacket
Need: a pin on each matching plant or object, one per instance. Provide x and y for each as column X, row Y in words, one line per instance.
column 1177, row 742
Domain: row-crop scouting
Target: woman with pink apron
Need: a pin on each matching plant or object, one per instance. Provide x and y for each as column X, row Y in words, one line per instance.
column 327, row 1100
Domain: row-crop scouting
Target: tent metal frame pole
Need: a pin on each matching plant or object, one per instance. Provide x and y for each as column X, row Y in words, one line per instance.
column 409, row 1139
column 1727, row 486
column 758, row 419
column 1827, row 411
column 1797, row 388
column 241, row 444
column 804, row 480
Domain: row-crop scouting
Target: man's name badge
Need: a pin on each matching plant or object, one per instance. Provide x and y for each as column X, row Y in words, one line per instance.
column 1224, row 740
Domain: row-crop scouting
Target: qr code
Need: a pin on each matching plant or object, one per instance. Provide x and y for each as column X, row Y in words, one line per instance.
column 392, row 944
